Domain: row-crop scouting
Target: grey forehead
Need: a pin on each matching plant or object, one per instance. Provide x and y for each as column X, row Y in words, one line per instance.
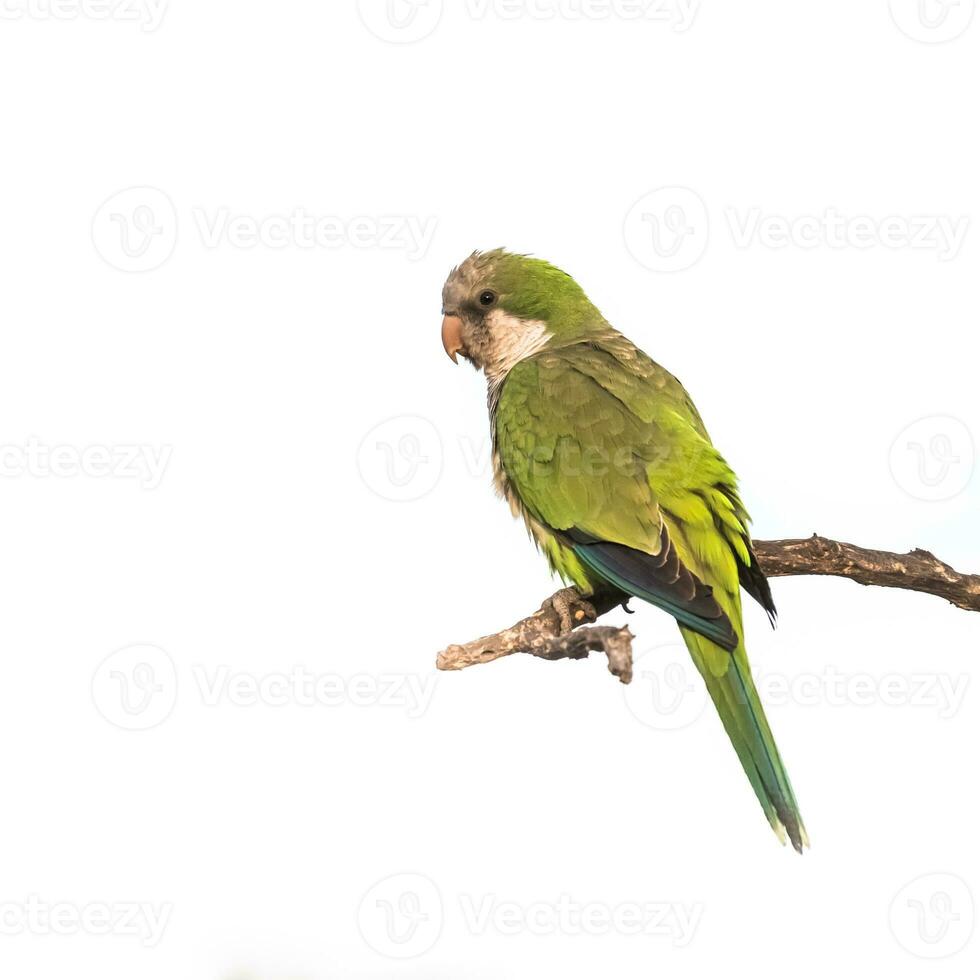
column 464, row 279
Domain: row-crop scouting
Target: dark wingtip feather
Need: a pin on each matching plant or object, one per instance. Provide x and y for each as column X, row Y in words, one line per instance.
column 754, row 581
column 662, row 580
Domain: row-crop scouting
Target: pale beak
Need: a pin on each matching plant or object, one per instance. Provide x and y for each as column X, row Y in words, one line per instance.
column 452, row 336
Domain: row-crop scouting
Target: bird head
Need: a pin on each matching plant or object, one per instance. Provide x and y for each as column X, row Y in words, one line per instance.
column 499, row 308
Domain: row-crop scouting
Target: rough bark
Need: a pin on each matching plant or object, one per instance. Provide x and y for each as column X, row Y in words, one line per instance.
column 560, row 628
column 918, row 571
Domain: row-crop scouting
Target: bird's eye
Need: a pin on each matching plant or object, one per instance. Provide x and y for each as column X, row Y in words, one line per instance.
column 487, row 297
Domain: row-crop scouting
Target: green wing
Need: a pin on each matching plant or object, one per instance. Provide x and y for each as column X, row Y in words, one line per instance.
column 607, row 452
column 581, row 436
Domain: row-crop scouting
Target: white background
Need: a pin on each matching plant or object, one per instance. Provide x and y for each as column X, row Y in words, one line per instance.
column 279, row 534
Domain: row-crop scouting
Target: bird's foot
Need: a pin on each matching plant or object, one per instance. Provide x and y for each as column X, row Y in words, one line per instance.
column 571, row 608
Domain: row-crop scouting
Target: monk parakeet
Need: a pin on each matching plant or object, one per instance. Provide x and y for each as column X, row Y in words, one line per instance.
column 604, row 456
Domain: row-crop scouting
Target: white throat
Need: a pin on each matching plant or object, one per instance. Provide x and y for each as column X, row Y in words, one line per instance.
column 514, row 339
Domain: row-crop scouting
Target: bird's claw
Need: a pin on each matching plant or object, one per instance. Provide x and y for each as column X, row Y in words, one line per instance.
column 572, row 609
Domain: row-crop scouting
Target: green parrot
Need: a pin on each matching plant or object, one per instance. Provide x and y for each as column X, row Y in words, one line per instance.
column 604, row 456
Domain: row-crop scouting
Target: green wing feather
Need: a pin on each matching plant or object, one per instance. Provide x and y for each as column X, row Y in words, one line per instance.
column 622, row 487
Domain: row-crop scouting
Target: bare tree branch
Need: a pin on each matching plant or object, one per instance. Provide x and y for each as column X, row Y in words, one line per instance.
column 559, row 629
column 549, row 635
column 918, row 571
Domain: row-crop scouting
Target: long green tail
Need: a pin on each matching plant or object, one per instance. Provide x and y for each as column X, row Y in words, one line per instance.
column 733, row 691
